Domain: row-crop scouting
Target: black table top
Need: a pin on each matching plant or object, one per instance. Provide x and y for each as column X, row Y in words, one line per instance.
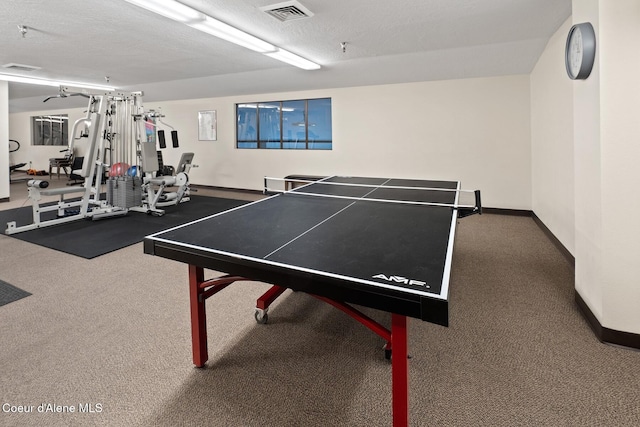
column 352, row 246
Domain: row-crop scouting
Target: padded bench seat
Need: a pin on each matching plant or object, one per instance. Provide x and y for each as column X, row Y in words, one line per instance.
column 60, row 191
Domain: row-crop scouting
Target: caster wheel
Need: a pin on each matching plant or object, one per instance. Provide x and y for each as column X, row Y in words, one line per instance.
column 261, row 318
column 387, row 354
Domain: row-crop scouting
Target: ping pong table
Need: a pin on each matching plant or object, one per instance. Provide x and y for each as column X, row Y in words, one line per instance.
column 381, row 243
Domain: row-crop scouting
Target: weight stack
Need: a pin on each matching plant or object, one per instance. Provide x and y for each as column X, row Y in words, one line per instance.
column 124, row 191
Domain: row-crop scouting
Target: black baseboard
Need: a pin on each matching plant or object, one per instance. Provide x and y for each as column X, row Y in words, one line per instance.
column 4, row 199
column 606, row 335
column 513, row 212
column 522, row 212
column 557, row 243
column 213, row 187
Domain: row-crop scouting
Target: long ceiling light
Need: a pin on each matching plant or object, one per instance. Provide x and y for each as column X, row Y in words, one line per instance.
column 231, row 34
column 293, row 59
column 179, row 12
column 170, row 9
column 56, row 83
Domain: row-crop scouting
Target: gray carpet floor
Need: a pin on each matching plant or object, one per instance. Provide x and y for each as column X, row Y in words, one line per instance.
column 113, row 332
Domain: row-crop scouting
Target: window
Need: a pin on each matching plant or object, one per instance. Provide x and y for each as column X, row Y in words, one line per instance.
column 50, row 130
column 298, row 125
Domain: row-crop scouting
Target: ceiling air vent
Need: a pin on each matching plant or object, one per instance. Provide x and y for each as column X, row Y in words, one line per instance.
column 287, row 11
column 19, row 67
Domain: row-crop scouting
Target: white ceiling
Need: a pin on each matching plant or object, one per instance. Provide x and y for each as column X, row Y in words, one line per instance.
column 393, row 41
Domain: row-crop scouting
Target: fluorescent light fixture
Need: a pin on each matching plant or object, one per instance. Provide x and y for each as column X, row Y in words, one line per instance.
column 293, row 59
column 170, row 9
column 227, row 32
column 55, row 83
column 28, row 80
column 177, row 11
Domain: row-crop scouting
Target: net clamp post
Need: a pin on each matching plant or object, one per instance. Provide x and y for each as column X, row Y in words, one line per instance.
column 468, row 211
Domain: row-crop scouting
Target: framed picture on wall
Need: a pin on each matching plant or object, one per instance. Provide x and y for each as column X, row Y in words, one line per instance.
column 207, row 126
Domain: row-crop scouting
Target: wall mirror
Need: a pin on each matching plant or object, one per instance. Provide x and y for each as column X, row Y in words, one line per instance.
column 52, row 129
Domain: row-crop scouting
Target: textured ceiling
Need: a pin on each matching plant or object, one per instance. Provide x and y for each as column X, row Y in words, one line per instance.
column 387, row 42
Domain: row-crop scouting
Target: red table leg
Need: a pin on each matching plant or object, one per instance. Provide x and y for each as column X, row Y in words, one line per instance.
column 269, row 297
column 399, row 371
column 198, row 316
column 399, row 362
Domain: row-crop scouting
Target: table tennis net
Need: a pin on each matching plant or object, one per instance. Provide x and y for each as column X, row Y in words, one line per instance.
column 446, row 195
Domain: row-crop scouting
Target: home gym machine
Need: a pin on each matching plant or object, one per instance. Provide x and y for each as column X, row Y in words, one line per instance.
column 116, row 127
column 158, row 183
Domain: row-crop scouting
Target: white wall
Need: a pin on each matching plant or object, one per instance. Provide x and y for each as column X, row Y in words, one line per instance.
column 606, row 135
column 588, row 203
column 552, row 140
column 475, row 130
column 585, row 153
column 4, row 140
column 619, row 35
